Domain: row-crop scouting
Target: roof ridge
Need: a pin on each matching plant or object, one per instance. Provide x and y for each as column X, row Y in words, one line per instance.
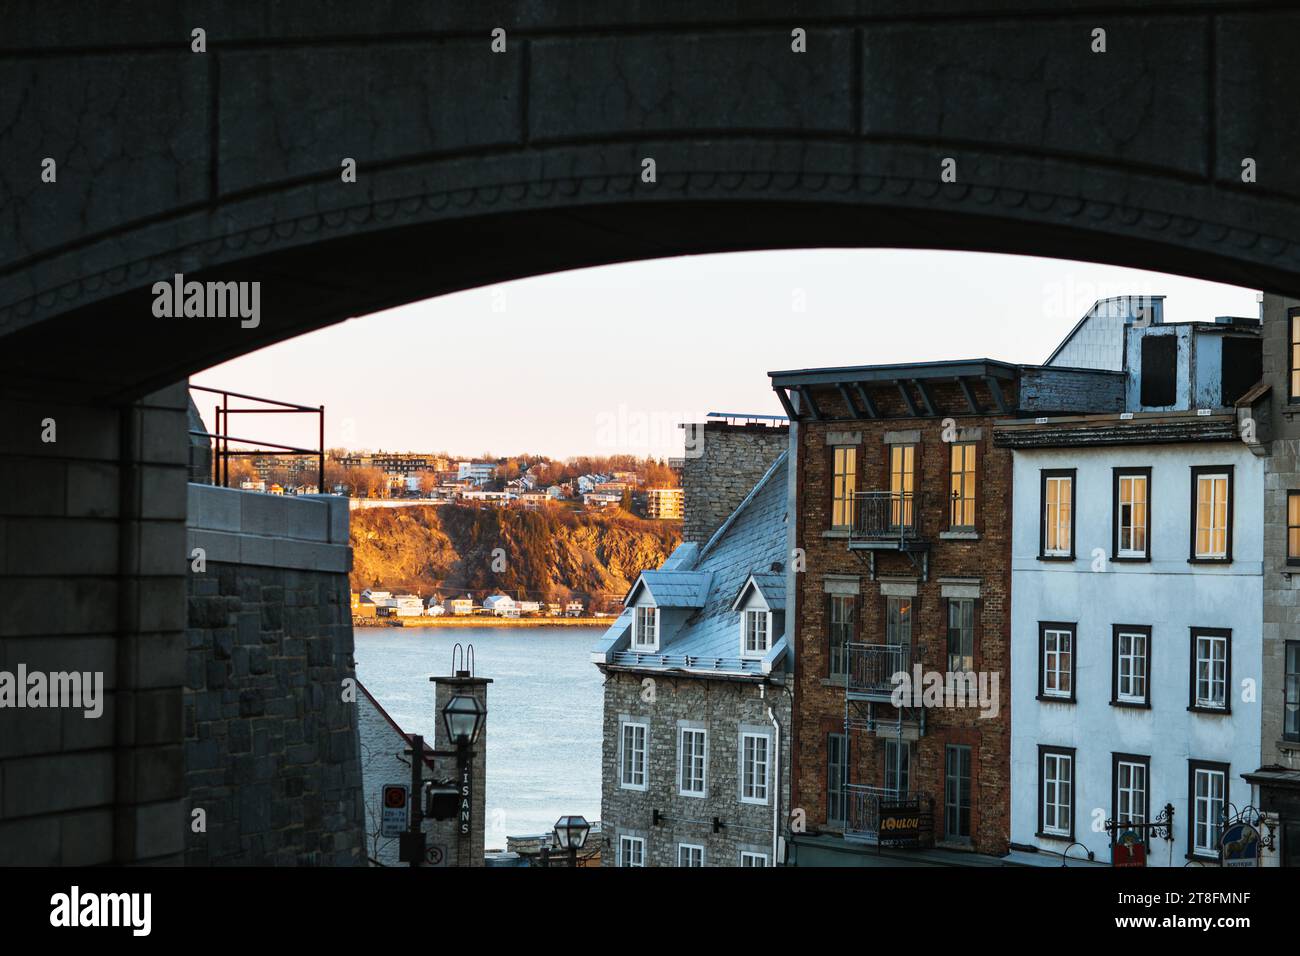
column 731, row 518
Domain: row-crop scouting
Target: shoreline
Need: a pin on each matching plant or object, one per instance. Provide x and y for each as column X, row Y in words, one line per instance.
column 469, row 620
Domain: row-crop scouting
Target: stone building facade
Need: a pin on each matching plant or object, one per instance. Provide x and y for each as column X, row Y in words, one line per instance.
column 1274, row 411
column 271, row 748
column 722, row 464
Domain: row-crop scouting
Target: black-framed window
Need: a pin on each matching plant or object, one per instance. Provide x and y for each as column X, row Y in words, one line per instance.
column 961, row 635
column 837, row 776
column 1130, row 793
column 1207, row 794
column 1056, row 514
column 898, row 766
column 1293, row 350
column 1056, row 792
column 956, row 792
column 842, row 622
column 844, row 485
column 961, row 516
column 1293, row 527
column 1291, row 693
column 1211, row 518
column 1211, row 670
column 1131, row 515
column 898, row 620
column 1130, row 665
column 1057, row 661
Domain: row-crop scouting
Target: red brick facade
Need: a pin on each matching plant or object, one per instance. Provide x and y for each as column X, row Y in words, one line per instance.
column 819, row 707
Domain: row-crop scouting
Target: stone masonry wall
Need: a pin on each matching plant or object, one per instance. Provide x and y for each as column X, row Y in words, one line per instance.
column 722, row 464
column 722, row 707
column 271, row 748
column 956, row 560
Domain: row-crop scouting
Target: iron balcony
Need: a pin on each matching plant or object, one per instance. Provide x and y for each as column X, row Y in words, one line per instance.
column 888, row 520
column 862, row 810
column 871, row 668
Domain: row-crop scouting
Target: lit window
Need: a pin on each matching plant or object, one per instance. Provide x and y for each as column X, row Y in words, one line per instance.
column 1057, row 533
column 963, row 486
column 844, row 484
column 1295, row 355
column 902, row 479
column 1212, row 520
column 1293, row 527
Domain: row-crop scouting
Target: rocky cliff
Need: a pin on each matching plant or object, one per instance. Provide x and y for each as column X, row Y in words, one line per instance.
column 548, row 554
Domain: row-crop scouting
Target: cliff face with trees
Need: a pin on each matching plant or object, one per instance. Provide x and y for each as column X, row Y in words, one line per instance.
column 549, row 554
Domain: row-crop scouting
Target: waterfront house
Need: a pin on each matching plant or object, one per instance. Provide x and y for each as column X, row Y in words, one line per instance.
column 502, row 605
column 1137, row 592
column 461, row 606
column 573, row 609
column 696, row 700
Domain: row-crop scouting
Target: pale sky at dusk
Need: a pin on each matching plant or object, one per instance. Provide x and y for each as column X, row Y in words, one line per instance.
column 607, row 360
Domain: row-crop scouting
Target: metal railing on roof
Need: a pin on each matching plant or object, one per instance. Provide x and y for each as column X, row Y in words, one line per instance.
column 746, row 665
column 221, row 437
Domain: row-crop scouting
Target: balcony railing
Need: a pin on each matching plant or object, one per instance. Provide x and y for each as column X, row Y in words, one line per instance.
column 862, row 821
column 887, row 516
column 871, row 668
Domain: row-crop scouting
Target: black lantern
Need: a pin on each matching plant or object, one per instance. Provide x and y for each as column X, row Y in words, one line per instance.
column 463, row 717
column 571, row 832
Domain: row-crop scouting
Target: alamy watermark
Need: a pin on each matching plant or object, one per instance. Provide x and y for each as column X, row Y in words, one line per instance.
column 952, row 689
column 208, row 300
column 73, row 689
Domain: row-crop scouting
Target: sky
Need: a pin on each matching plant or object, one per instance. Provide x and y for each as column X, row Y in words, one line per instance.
column 610, row 360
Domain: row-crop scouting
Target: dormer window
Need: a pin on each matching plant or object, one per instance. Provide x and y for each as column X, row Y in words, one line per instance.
column 645, row 629
column 756, row 633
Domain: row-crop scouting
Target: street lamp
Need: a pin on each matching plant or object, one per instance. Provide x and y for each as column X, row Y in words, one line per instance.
column 463, row 717
column 571, row 833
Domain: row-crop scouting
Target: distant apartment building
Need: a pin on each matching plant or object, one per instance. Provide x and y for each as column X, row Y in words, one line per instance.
column 695, row 763
column 902, row 616
column 1136, row 595
column 664, row 504
column 475, row 471
column 459, row 607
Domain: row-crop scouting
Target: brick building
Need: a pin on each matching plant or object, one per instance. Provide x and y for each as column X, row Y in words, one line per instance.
column 902, row 508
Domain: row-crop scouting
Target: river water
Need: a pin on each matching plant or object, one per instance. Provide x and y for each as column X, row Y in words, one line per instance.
column 544, row 712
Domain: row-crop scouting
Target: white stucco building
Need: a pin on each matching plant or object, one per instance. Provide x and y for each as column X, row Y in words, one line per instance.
column 1137, row 589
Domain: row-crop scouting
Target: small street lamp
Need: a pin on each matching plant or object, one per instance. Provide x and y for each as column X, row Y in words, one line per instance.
column 463, row 717
column 571, row 833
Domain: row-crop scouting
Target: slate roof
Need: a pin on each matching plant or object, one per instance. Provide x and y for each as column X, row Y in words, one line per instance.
column 770, row 585
column 752, row 541
column 673, row 588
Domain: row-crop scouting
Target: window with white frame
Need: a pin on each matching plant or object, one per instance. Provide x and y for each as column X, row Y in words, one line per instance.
column 692, row 744
column 633, row 756
column 1212, row 514
column 645, row 629
column 756, row 632
column 1056, row 792
column 1057, row 531
column 631, row 851
column 1056, row 661
column 754, row 761
column 1131, row 788
column 690, row 854
column 750, row 858
column 1207, row 791
column 1131, row 664
column 1211, row 663
column 1132, row 513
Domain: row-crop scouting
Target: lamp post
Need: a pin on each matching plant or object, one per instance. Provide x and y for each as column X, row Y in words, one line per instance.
column 570, row 834
column 463, row 717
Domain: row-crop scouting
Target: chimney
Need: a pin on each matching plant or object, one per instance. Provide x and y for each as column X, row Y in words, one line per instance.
column 724, row 459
